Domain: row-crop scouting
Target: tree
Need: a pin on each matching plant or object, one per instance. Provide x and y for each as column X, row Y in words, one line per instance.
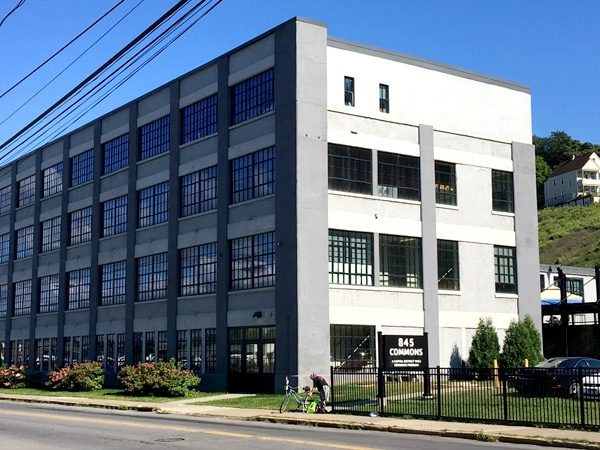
column 542, row 171
column 560, row 147
column 522, row 341
column 484, row 347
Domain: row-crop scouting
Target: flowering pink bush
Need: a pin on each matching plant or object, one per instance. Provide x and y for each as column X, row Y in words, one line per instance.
column 12, row 377
column 165, row 379
column 87, row 376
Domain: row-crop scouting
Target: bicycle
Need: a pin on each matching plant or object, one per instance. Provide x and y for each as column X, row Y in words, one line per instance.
column 291, row 393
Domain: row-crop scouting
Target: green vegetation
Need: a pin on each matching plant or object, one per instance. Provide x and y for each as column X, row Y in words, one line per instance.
column 484, row 347
column 12, row 377
column 259, row 401
column 87, row 376
column 165, row 379
column 104, row 394
column 522, row 341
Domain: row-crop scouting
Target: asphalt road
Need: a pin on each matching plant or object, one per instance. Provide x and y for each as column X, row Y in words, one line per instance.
column 26, row 426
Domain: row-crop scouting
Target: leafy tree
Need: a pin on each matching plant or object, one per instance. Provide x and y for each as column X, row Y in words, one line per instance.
column 542, row 171
column 522, row 341
column 484, row 347
column 560, row 147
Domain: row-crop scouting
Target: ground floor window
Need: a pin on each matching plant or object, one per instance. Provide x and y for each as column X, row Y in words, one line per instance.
column 19, row 352
column 252, row 350
column 352, row 346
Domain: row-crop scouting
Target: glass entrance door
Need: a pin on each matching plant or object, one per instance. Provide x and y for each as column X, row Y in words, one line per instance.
column 251, row 359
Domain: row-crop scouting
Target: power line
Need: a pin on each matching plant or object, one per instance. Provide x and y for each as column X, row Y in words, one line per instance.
column 17, row 6
column 59, row 51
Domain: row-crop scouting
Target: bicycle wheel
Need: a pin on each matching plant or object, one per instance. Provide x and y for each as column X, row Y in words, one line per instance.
column 305, row 402
column 284, row 403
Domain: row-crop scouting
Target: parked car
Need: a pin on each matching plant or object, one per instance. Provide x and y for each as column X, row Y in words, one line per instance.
column 559, row 376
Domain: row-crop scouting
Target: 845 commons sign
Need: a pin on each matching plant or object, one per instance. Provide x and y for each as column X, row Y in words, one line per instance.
column 408, row 352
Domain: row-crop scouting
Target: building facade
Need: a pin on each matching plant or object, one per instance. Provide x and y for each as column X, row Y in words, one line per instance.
column 575, row 182
column 268, row 213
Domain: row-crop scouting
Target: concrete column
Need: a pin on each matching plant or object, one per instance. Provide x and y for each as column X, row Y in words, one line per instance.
column 62, row 273
column 95, row 284
column 10, row 306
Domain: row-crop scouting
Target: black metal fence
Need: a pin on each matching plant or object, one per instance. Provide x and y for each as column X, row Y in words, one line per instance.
column 556, row 397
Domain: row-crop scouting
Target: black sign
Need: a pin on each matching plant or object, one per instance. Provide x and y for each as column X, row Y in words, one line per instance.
column 408, row 352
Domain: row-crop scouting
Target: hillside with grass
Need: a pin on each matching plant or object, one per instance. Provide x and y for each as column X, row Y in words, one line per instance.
column 571, row 235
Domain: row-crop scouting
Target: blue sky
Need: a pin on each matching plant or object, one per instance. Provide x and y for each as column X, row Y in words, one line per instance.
column 550, row 45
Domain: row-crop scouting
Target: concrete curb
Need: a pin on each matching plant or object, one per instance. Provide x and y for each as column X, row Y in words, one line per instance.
column 83, row 403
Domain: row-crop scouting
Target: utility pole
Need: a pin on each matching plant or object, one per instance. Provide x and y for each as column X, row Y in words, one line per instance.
column 564, row 316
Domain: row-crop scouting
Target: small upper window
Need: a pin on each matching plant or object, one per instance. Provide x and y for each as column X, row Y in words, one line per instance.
column 349, row 91
column 384, row 98
column 502, row 191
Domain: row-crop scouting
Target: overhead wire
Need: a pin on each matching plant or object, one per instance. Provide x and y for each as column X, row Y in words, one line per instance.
column 17, row 6
column 86, row 96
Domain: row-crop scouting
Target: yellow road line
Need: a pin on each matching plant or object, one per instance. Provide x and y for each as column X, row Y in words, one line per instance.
column 182, row 429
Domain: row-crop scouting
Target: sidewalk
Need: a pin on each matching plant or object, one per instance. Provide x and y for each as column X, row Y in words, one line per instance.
column 512, row 434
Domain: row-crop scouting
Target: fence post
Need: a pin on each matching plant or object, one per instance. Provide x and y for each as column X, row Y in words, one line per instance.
column 504, row 393
column 380, row 379
column 439, row 392
column 581, row 402
column 332, row 389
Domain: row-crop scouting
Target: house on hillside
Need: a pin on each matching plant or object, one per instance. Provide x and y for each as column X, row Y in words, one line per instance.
column 574, row 182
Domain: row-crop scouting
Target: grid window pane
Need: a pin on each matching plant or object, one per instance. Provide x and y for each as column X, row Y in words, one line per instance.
column 210, row 337
column 53, row 179
column 114, row 216
column 22, row 298
column 505, row 265
column 116, row 154
column 100, row 349
column 120, row 351
column 398, row 176
column 162, row 346
column 80, row 226
column 502, row 191
column 110, row 352
column 350, row 258
column 152, row 277
column 113, row 283
column 182, row 348
column 199, row 120
column 4, row 247
column 196, row 350
column 153, row 205
column 51, row 234
column 150, row 350
column 154, row 138
column 27, row 191
column 49, row 293
column 448, row 265
column 350, row 169
column 253, row 175
column 138, row 347
column 79, row 289
column 253, row 97
column 82, row 168
column 349, row 91
column 5, row 199
column 400, row 261
column 198, row 270
column 25, row 242
column 3, row 302
column 384, row 98
column 199, row 192
column 445, row 183
column 352, row 346
column 253, row 261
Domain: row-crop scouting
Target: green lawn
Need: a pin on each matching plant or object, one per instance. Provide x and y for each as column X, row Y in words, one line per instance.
column 105, row 394
column 259, row 401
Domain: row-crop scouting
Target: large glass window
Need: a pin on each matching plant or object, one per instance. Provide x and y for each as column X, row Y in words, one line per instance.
column 153, row 205
column 150, row 347
column 115, row 154
column 114, row 216
column 5, row 199
column 448, row 267
column 199, row 120
column 152, row 277
column 198, row 270
column 350, row 169
column 384, row 98
column 400, row 261
column 27, row 191
column 210, row 338
column 182, row 348
column 199, row 191
column 398, row 176
column 22, row 298
column 196, row 350
column 575, row 286
column 25, row 242
column 49, row 293
column 253, row 97
column 51, row 234
column 53, row 179
column 253, row 175
column 445, row 183
column 505, row 266
column 113, row 283
column 4, row 247
column 3, row 304
column 349, row 91
column 502, row 191
column 350, row 257
column 80, row 226
column 352, row 346
column 253, row 261
column 154, row 138
column 82, row 168
column 79, row 289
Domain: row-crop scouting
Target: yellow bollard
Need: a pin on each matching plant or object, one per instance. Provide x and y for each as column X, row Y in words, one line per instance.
column 496, row 380
column 525, row 362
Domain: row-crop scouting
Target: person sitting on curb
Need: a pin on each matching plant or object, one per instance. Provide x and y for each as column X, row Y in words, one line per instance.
column 319, row 384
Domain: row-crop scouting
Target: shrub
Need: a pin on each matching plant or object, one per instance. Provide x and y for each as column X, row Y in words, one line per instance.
column 522, row 341
column 164, row 379
column 87, row 376
column 12, row 377
column 484, row 347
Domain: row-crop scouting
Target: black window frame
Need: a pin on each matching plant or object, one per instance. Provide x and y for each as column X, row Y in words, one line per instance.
column 152, row 280
column 4, row 248
column 350, row 169
column 153, row 205
column 199, row 119
column 22, row 298
column 384, row 98
column 114, row 216
column 52, row 180
column 50, row 234
column 113, row 283
column 349, row 99
column 253, row 175
column 5, row 199
column 26, row 191
column 351, row 258
column 448, row 265
column 398, row 176
column 3, row 307
column 82, row 168
column 49, row 288
column 199, row 191
column 401, row 261
column 78, row 296
column 253, row 97
column 155, row 138
column 253, row 261
column 445, row 183
column 505, row 258
column 115, row 154
column 80, row 226
column 198, row 270
column 24, row 247
column 503, row 198
column 353, row 346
